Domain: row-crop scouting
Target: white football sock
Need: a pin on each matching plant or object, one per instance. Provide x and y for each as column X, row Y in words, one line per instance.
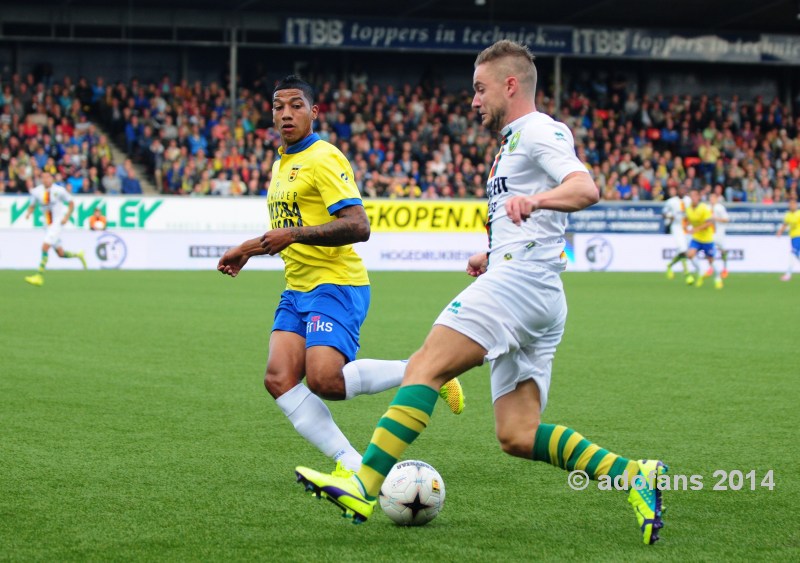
column 792, row 259
column 367, row 377
column 695, row 265
column 313, row 421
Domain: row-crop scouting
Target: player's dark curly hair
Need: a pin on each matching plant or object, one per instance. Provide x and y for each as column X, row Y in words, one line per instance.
column 294, row 82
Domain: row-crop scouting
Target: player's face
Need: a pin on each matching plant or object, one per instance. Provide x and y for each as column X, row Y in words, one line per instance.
column 47, row 180
column 695, row 195
column 489, row 99
column 792, row 205
column 293, row 115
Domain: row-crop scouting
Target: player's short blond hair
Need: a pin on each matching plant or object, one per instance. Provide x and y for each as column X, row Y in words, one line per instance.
column 512, row 59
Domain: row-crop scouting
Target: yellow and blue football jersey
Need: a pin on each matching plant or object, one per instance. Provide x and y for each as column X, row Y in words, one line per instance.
column 311, row 181
column 792, row 220
column 696, row 216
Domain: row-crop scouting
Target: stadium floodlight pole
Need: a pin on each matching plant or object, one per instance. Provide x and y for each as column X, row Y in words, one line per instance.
column 233, row 71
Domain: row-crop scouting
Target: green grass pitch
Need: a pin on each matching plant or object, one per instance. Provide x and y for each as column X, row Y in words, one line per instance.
column 134, row 424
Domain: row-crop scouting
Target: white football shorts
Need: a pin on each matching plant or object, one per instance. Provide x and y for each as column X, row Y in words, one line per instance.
column 517, row 311
column 53, row 236
column 679, row 236
column 719, row 241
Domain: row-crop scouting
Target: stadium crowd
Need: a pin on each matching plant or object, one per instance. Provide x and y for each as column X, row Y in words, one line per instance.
column 403, row 142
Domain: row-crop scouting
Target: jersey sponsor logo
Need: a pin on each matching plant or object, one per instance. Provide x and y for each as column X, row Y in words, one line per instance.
column 283, row 214
column 496, row 186
column 560, row 136
column 294, row 172
column 316, row 324
column 514, row 142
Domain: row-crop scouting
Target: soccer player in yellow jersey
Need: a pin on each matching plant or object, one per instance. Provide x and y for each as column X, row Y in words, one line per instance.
column 791, row 221
column 701, row 227
column 316, row 214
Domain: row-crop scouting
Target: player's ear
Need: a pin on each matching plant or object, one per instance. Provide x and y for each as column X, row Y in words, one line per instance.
column 314, row 111
column 512, row 85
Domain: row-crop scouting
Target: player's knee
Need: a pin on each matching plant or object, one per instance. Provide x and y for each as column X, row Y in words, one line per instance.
column 517, row 442
column 277, row 383
column 327, row 383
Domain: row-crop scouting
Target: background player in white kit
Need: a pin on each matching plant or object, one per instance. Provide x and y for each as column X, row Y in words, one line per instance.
column 513, row 315
column 56, row 205
column 675, row 216
column 721, row 219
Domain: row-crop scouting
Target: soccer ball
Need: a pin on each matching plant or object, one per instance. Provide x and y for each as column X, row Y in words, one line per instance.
column 412, row 494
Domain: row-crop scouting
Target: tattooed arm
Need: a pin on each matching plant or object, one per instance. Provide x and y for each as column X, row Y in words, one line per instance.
column 350, row 226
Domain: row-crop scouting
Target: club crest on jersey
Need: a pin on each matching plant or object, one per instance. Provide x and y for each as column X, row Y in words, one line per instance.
column 294, row 172
column 560, row 136
column 514, row 142
column 345, row 178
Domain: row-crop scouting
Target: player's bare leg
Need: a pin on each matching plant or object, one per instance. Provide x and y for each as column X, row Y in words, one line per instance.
column 308, row 414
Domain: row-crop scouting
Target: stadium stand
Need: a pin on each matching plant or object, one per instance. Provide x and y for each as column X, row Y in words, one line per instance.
column 404, row 141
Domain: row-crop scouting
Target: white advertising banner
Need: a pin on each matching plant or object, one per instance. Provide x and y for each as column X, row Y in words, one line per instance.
column 200, row 250
column 651, row 253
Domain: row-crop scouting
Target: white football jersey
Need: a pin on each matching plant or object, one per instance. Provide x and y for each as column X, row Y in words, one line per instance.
column 675, row 210
column 53, row 202
column 535, row 156
column 719, row 212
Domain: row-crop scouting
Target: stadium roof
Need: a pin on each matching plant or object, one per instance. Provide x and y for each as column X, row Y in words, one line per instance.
column 766, row 16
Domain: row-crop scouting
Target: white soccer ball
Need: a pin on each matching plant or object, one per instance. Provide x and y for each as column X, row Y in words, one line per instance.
column 412, row 494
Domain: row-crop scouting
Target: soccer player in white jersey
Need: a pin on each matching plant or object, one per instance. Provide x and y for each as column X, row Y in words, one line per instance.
column 56, row 205
column 513, row 315
column 721, row 219
column 675, row 216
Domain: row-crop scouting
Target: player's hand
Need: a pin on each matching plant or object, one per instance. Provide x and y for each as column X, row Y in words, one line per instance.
column 232, row 262
column 520, row 207
column 276, row 240
column 64, row 221
column 477, row 264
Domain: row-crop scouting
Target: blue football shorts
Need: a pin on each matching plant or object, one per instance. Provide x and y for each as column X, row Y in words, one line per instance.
column 706, row 247
column 328, row 315
column 796, row 246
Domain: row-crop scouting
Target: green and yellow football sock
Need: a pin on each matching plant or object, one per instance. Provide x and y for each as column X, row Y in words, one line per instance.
column 408, row 415
column 567, row 449
column 43, row 262
column 681, row 257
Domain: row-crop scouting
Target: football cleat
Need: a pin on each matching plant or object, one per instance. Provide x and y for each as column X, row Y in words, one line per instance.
column 689, row 279
column 82, row 258
column 341, row 490
column 645, row 498
column 718, row 283
column 724, row 273
column 35, row 279
column 342, row 471
column 709, row 273
column 453, row 394
column 786, row 277
column 670, row 274
column 699, row 281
